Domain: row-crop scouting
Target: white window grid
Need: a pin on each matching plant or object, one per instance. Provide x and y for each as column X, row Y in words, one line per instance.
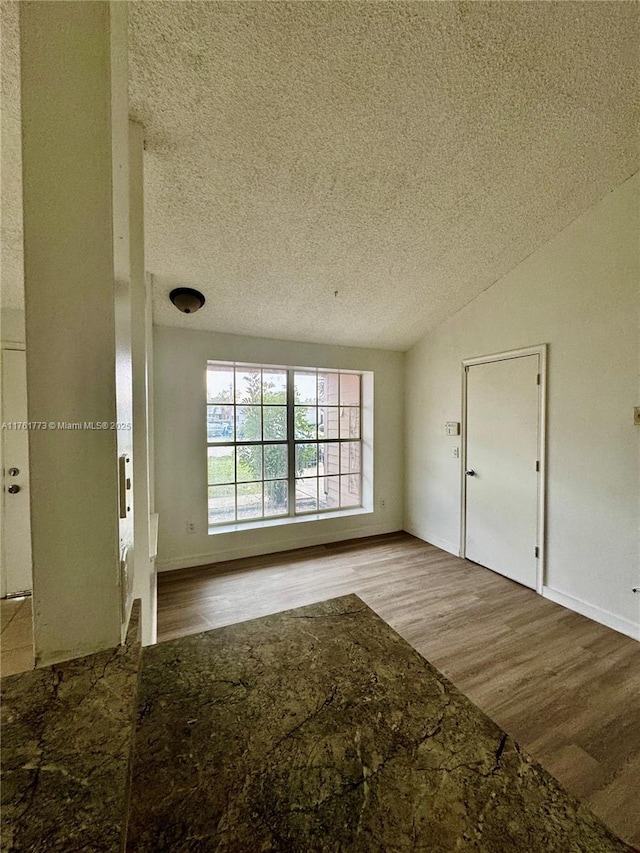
column 291, row 443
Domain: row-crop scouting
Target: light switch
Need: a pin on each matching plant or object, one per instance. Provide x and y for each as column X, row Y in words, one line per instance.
column 452, row 428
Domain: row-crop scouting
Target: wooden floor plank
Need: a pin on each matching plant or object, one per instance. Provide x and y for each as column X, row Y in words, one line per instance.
column 566, row 688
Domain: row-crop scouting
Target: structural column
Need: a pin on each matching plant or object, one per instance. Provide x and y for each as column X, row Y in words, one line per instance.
column 145, row 587
column 70, row 325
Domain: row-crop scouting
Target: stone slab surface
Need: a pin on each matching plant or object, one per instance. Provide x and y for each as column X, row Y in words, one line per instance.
column 66, row 746
column 320, row 729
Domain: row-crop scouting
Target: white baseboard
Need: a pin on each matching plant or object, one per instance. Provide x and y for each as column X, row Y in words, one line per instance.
column 238, row 552
column 443, row 544
column 592, row 611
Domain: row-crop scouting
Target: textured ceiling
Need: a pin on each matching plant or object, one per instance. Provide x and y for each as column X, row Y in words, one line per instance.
column 406, row 155
column 11, row 258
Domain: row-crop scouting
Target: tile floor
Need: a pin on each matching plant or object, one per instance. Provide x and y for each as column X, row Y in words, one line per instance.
column 16, row 635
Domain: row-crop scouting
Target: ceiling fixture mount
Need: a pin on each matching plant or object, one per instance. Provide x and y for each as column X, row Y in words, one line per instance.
column 186, row 299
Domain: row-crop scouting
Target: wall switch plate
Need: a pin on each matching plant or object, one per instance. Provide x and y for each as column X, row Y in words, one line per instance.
column 452, row 428
column 636, row 415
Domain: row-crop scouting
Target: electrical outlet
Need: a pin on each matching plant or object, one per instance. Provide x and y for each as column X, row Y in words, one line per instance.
column 383, row 503
column 191, row 526
column 455, row 452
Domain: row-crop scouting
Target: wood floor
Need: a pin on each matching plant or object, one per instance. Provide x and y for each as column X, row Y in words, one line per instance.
column 566, row 688
column 16, row 636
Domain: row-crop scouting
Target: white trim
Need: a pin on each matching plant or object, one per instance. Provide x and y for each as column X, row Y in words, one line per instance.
column 365, row 408
column 593, row 612
column 239, row 551
column 443, row 544
column 284, row 520
column 541, row 351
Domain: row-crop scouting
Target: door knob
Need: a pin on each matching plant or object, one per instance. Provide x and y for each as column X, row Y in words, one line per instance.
column 470, row 473
column 13, row 490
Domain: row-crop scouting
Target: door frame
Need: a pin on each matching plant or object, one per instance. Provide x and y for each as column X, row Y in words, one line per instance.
column 541, row 351
column 20, row 346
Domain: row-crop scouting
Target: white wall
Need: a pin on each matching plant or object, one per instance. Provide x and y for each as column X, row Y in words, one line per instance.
column 122, row 245
column 12, row 325
column 70, row 329
column 580, row 293
column 145, row 581
column 180, row 358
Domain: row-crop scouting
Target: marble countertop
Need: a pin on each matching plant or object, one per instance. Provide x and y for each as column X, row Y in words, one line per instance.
column 66, row 745
column 321, row 729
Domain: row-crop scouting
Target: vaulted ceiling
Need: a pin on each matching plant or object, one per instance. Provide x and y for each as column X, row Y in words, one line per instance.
column 405, row 155
column 355, row 172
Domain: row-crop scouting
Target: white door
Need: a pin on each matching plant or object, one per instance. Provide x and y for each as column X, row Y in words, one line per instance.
column 502, row 452
column 16, row 527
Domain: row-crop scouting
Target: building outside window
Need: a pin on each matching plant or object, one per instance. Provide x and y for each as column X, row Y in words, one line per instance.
column 282, row 442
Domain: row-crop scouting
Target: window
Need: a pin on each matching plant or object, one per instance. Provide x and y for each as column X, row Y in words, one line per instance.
column 282, row 442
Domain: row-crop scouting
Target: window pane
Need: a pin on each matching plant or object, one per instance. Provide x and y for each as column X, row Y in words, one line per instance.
column 306, row 459
column 253, row 447
column 249, row 500
column 349, row 422
column 329, row 422
column 275, row 461
column 349, row 389
column 305, row 387
column 350, row 490
column 276, row 497
column 331, row 458
column 219, row 384
column 249, row 463
column 275, row 423
column 305, row 422
column 274, row 386
column 219, row 423
column 307, row 494
column 328, row 388
column 329, row 493
column 221, row 465
column 248, row 385
column 222, row 504
column 350, row 457
column 248, row 423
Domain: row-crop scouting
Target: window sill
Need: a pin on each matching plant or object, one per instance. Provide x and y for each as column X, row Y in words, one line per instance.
column 236, row 527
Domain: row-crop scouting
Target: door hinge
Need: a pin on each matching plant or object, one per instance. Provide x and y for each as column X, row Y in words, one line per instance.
column 537, row 465
column 538, row 379
column 537, row 551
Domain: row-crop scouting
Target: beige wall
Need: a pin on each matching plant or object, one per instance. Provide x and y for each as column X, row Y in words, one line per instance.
column 180, row 357
column 580, row 294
